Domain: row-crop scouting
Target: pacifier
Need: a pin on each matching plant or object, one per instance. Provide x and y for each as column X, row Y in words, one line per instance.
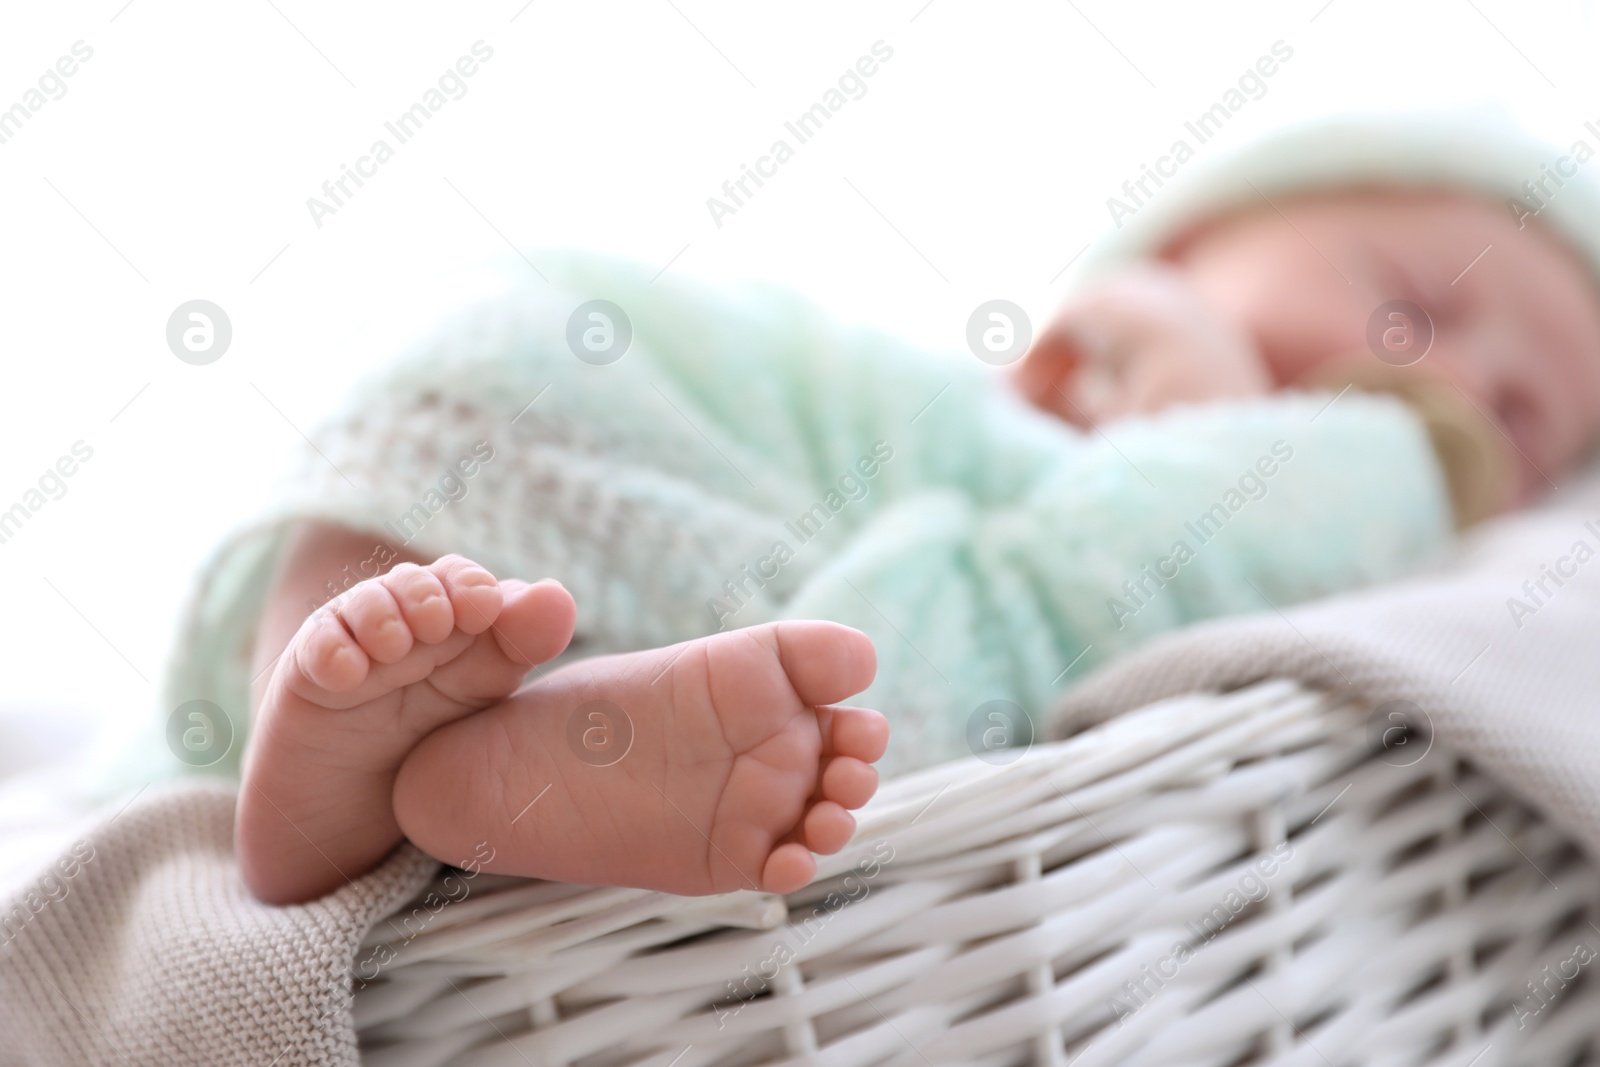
column 1473, row 455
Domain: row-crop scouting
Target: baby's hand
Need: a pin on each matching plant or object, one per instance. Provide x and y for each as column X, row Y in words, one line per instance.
column 1136, row 343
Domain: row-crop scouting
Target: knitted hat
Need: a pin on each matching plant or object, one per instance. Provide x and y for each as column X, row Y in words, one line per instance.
column 1481, row 149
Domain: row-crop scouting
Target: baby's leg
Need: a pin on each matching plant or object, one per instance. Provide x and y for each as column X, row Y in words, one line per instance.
column 357, row 686
column 718, row 765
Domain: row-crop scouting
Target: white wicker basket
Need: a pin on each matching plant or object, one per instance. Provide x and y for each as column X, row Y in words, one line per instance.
column 1211, row 880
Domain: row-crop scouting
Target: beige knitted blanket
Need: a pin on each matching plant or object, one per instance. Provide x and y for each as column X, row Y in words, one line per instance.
column 139, row 944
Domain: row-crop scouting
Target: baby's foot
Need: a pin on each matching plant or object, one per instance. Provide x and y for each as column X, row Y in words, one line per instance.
column 737, row 770
column 357, row 687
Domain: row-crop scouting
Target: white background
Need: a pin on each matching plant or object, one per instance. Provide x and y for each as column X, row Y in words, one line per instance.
column 179, row 161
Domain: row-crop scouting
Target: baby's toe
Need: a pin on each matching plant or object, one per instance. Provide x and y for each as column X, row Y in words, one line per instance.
column 328, row 656
column 375, row 622
column 536, row 622
column 860, row 733
column 423, row 601
column 825, row 661
column 474, row 593
column 789, row 867
column 849, row 782
column 828, row 828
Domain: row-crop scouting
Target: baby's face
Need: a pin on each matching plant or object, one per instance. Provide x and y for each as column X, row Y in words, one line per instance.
column 1518, row 332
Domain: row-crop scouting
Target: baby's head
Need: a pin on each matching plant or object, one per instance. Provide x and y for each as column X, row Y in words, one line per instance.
column 1514, row 310
column 1296, row 261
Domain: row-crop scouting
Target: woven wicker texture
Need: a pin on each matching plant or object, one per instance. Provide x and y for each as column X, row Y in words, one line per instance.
column 1245, row 878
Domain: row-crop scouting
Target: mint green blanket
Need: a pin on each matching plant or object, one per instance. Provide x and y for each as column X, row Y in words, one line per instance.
column 748, row 459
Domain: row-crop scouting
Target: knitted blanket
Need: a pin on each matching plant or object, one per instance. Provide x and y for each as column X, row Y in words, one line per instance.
column 746, row 459
column 139, row 944
column 1493, row 655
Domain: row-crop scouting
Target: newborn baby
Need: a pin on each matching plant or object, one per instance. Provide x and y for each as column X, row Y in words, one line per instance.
column 1252, row 302
column 986, row 547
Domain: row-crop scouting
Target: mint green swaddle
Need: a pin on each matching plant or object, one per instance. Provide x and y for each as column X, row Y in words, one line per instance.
column 746, row 459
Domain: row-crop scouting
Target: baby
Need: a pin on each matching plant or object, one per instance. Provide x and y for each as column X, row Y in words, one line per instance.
column 1252, row 302
column 985, row 549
